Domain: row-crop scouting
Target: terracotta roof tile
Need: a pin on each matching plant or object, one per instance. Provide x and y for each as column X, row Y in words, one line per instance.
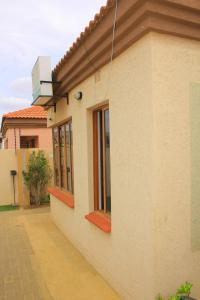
column 33, row 112
column 104, row 10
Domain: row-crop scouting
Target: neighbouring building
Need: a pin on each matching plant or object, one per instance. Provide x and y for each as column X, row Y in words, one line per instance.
column 22, row 131
column 0, row 140
column 26, row 128
column 126, row 143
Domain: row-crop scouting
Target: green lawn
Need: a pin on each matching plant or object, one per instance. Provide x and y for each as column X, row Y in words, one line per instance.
column 8, row 207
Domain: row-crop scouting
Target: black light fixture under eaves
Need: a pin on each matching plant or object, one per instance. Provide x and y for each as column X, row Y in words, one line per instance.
column 78, row 96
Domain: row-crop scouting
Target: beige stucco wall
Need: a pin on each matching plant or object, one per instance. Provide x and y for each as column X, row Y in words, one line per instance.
column 150, row 247
column 44, row 137
column 16, row 160
column 124, row 257
column 176, row 102
column 8, row 162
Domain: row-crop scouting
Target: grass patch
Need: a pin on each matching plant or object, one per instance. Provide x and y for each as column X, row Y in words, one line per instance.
column 8, row 207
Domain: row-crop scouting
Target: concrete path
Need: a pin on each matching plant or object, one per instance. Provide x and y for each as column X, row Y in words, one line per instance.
column 38, row 263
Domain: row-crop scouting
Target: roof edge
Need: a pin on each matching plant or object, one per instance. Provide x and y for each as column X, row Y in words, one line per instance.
column 135, row 18
column 108, row 8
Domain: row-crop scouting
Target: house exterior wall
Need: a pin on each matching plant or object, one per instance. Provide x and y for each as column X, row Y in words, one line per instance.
column 152, row 247
column 44, row 136
column 176, row 102
column 124, row 257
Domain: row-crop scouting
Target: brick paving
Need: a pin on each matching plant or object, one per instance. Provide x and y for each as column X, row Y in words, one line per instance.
column 17, row 276
column 37, row 262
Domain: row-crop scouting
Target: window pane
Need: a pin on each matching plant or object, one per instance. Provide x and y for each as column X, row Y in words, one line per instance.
column 100, row 160
column 62, row 157
column 102, row 184
column 28, row 141
column 56, row 155
column 69, row 169
column 107, row 159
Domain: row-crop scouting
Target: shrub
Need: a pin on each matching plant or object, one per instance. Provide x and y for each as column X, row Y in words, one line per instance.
column 183, row 292
column 38, row 174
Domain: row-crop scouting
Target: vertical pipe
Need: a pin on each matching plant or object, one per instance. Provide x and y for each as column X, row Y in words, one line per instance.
column 14, row 188
column 15, row 138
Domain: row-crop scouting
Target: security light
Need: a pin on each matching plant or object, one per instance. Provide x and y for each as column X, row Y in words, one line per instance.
column 78, row 96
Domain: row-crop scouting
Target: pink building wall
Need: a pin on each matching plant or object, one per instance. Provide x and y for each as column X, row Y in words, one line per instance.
column 13, row 136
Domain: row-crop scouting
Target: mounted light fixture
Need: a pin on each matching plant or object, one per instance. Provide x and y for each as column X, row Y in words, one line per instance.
column 78, row 96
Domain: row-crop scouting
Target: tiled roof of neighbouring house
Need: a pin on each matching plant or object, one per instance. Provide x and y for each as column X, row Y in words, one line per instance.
column 33, row 112
column 92, row 25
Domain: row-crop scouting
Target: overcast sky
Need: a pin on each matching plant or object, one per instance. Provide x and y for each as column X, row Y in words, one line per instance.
column 30, row 28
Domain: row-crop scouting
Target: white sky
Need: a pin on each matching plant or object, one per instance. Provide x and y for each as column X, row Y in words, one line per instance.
column 29, row 28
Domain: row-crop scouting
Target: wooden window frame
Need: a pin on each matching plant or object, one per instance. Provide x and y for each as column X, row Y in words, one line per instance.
column 29, row 139
column 54, row 163
column 64, row 179
column 96, row 159
column 64, row 188
column 71, row 155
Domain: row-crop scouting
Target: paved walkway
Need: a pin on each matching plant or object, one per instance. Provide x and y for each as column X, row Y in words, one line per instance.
column 38, row 263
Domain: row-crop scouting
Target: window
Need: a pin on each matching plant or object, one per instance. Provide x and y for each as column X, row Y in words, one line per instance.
column 6, row 144
column 56, row 155
column 101, row 144
column 28, row 141
column 63, row 158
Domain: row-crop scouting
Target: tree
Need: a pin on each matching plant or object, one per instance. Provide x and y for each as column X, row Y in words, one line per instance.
column 38, row 174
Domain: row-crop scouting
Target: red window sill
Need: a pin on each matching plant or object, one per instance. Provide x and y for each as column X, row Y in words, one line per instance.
column 100, row 220
column 62, row 196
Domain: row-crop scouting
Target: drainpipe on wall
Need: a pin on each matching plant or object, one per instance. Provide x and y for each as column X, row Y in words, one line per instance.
column 19, row 137
column 15, row 139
